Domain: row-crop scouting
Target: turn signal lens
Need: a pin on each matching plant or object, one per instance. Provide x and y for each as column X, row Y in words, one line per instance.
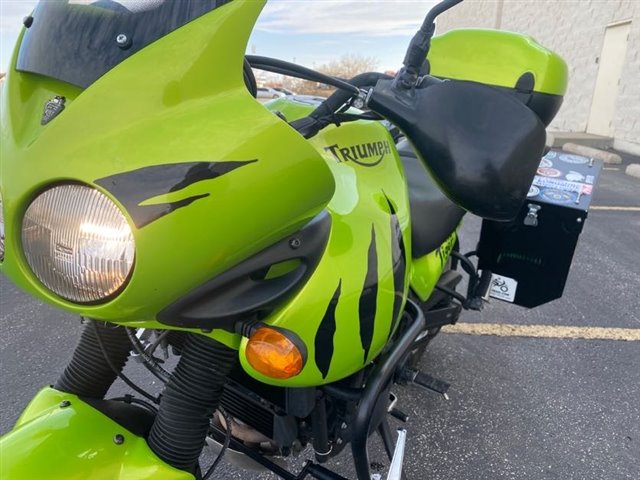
column 271, row 353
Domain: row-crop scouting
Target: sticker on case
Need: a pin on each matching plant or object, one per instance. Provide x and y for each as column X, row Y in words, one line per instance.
column 503, row 288
column 549, row 172
column 546, row 163
column 557, row 196
column 574, row 176
column 574, row 159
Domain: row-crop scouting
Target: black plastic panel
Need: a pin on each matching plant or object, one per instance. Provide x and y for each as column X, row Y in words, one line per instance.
column 244, row 290
column 481, row 145
column 79, row 42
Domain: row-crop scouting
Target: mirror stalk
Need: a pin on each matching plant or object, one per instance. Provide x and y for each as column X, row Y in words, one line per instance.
column 407, row 77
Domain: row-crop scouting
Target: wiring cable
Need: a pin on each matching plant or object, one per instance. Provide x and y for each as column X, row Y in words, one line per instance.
column 225, row 445
column 121, row 375
column 148, row 361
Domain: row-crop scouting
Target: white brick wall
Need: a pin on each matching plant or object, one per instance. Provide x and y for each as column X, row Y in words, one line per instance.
column 575, row 30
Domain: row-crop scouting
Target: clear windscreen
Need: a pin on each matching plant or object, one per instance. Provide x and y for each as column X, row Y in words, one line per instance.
column 78, row 41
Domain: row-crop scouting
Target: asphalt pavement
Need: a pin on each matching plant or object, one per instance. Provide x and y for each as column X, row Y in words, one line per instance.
column 519, row 408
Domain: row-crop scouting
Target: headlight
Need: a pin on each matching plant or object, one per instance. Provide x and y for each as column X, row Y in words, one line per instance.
column 78, row 243
column 1, row 229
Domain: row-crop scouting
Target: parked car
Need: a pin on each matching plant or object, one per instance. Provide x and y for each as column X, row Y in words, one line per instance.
column 266, row 92
column 283, row 90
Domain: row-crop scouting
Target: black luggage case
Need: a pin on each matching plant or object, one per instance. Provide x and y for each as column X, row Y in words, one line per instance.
column 530, row 257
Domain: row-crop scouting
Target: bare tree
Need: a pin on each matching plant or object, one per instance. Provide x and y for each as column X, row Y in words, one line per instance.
column 349, row 66
column 345, row 67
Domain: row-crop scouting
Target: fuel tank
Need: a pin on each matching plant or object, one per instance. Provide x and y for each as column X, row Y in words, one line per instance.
column 349, row 307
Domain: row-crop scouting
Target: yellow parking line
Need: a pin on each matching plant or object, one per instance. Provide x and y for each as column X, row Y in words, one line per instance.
column 616, row 209
column 545, row 331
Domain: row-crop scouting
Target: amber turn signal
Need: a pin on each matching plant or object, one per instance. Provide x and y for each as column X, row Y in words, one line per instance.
column 271, row 353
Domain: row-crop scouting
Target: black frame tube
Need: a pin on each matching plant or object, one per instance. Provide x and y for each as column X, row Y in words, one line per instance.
column 378, row 382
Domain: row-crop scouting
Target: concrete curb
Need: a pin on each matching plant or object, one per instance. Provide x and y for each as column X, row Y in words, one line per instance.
column 606, row 157
column 633, row 170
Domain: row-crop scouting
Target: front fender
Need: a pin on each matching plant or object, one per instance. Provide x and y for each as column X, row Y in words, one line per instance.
column 74, row 441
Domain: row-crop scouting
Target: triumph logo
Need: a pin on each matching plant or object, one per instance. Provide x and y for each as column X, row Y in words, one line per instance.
column 365, row 154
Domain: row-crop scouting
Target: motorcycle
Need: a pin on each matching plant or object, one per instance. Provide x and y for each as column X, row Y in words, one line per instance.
column 297, row 258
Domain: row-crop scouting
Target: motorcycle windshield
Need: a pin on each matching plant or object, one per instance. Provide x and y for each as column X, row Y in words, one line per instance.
column 78, row 41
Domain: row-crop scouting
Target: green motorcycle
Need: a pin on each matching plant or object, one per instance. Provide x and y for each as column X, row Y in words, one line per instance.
column 296, row 258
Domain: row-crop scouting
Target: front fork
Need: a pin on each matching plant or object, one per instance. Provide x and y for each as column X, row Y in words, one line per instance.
column 191, row 396
column 177, row 434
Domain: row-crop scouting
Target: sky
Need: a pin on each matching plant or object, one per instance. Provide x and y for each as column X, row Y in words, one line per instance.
column 308, row 32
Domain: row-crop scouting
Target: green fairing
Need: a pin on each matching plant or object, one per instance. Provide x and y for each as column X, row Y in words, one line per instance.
column 182, row 114
column 194, row 108
column 426, row 270
column 80, row 441
column 178, row 117
column 496, row 57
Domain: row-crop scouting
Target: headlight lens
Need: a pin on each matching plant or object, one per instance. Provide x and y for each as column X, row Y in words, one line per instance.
column 1, row 229
column 78, row 243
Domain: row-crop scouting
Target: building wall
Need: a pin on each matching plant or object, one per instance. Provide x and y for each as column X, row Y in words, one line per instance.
column 574, row 29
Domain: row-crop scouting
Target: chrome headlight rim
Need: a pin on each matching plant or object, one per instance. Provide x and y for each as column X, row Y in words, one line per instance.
column 105, row 299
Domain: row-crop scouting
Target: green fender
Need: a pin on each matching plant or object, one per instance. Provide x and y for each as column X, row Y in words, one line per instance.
column 80, row 440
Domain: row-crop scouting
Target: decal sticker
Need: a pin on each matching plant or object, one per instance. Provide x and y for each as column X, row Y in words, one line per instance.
column 574, row 176
column 52, row 109
column 134, row 187
column 546, row 163
column 533, row 191
column 574, row 159
column 366, row 154
column 557, row 196
column 444, row 250
column 369, row 297
column 324, row 336
column 557, row 184
column 399, row 259
column 503, row 288
column 549, row 172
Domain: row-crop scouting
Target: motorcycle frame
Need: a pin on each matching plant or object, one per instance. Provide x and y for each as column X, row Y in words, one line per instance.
column 67, row 420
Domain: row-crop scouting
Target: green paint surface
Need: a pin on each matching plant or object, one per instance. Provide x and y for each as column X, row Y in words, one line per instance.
column 76, row 443
column 497, row 57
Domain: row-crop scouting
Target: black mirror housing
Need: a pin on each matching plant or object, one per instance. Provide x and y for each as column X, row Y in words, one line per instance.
column 482, row 145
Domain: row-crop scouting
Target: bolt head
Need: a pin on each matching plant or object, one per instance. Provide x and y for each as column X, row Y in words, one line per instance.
column 118, row 439
column 65, row 403
column 295, row 243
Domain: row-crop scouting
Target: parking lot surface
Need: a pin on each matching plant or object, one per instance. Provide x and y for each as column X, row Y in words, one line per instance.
column 519, row 408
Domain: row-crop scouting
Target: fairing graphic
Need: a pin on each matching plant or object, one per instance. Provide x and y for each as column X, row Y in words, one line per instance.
column 133, row 188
